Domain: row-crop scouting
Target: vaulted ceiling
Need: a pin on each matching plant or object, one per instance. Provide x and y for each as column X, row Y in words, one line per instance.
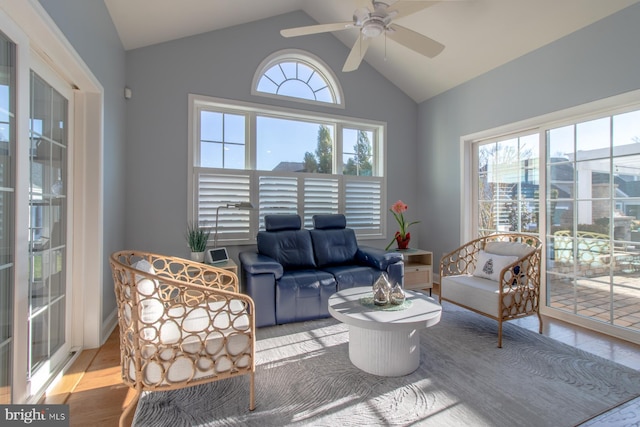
column 478, row 35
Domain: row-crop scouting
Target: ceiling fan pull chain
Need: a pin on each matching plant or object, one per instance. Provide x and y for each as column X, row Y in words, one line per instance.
column 385, row 46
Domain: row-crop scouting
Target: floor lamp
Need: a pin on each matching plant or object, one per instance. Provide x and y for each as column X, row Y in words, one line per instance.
column 237, row 205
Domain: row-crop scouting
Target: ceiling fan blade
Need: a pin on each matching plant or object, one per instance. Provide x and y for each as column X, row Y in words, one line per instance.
column 357, row 53
column 415, row 41
column 405, row 8
column 316, row 29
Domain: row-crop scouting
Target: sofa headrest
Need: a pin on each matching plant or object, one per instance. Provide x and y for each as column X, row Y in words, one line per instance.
column 291, row 248
column 282, row 222
column 329, row 222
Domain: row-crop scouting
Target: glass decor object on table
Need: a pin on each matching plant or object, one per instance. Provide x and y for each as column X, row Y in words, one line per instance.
column 381, row 290
column 396, row 296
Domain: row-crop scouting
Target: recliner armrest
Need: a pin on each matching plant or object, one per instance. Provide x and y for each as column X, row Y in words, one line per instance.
column 255, row 263
column 377, row 258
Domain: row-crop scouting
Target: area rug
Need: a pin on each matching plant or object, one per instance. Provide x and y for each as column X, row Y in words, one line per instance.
column 304, row 377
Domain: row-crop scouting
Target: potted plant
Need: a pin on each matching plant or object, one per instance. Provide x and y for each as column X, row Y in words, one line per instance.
column 402, row 236
column 197, row 238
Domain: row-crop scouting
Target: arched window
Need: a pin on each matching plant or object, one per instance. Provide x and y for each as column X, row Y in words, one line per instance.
column 297, row 74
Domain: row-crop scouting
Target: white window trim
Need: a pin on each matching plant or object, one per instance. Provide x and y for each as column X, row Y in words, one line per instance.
column 311, row 60
column 196, row 101
column 608, row 106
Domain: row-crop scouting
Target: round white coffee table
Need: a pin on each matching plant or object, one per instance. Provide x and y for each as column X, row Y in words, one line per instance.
column 384, row 341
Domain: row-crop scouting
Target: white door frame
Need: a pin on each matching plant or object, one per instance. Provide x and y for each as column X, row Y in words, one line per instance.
column 30, row 27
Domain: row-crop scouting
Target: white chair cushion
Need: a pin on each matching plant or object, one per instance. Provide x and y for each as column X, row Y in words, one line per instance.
column 206, row 333
column 474, row 292
column 144, row 265
column 490, row 265
column 480, row 294
column 509, row 248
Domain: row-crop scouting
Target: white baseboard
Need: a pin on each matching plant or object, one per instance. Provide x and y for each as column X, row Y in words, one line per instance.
column 108, row 326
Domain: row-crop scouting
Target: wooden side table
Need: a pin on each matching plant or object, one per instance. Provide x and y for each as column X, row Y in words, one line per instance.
column 226, row 265
column 418, row 269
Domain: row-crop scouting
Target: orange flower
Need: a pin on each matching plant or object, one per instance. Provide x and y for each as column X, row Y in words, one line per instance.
column 399, row 207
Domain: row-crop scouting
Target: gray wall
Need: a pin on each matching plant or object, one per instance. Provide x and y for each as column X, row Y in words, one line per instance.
column 88, row 27
column 222, row 64
column 596, row 62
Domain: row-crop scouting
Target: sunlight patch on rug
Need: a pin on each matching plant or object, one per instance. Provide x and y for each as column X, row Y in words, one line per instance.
column 304, row 377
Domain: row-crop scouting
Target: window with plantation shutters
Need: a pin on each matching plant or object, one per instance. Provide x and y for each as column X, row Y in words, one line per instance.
column 282, row 161
column 277, row 195
column 321, row 196
column 363, row 205
column 215, row 191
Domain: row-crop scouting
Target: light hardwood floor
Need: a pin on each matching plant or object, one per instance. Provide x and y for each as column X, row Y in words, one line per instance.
column 95, row 394
column 93, row 388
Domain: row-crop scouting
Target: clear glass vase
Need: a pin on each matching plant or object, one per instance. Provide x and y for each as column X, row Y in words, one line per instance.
column 381, row 290
column 397, row 295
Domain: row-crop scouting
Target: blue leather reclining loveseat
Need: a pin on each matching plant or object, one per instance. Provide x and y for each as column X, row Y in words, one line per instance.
column 295, row 270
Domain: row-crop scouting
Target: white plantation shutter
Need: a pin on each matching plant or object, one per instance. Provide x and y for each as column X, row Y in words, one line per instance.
column 216, row 190
column 363, row 204
column 321, row 196
column 283, row 194
column 277, row 195
column 295, row 193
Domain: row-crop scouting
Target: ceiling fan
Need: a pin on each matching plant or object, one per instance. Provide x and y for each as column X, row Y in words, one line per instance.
column 374, row 18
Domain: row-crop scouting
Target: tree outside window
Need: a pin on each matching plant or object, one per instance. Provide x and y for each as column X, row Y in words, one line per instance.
column 322, row 160
column 360, row 161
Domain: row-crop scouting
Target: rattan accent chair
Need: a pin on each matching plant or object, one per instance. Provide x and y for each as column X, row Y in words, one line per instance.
column 515, row 290
column 182, row 323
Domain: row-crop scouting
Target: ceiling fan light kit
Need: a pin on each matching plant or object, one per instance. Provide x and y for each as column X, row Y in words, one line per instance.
column 373, row 28
column 373, row 23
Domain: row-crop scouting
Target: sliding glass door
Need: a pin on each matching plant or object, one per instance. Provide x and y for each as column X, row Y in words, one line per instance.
column 593, row 219
column 576, row 185
column 51, row 268
column 49, row 322
column 7, row 209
